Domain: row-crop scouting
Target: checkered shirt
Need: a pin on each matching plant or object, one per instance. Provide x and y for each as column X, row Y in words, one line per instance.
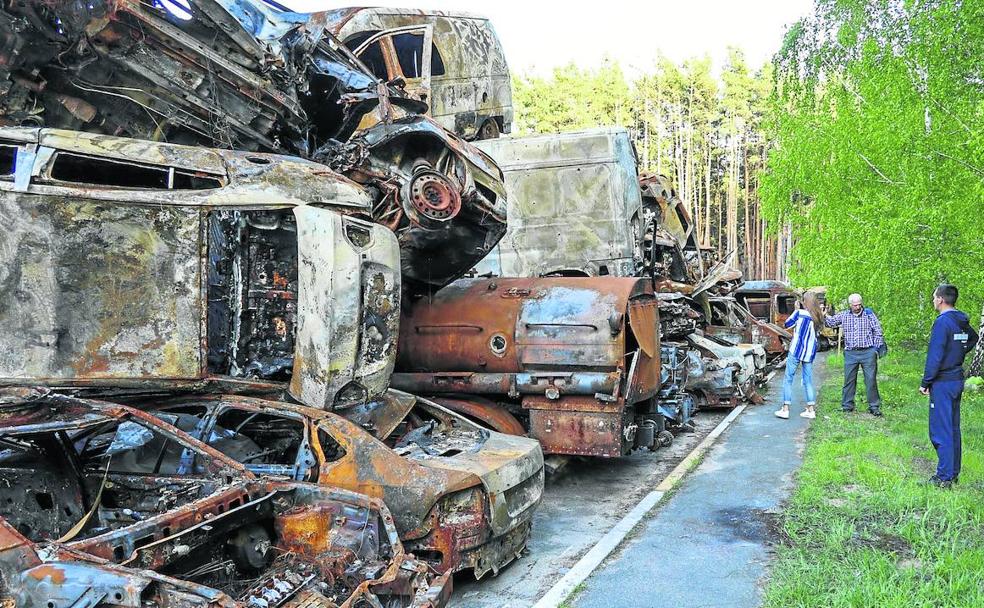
column 860, row 331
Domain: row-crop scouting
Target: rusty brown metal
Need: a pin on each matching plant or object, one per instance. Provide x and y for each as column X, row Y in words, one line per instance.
column 580, row 426
column 576, row 346
column 489, row 413
column 223, row 537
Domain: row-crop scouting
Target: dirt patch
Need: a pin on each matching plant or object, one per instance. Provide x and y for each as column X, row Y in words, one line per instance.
column 923, row 465
column 751, row 525
column 837, row 502
column 884, row 541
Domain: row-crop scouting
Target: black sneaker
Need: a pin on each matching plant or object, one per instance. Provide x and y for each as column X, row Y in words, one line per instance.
column 875, row 412
column 847, row 410
column 943, row 484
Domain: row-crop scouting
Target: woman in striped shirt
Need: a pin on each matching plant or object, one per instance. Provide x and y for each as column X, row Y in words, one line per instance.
column 805, row 323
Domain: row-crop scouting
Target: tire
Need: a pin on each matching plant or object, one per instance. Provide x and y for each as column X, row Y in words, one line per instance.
column 488, row 130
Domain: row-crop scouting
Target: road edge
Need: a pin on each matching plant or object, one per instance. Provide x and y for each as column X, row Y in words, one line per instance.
column 588, row 563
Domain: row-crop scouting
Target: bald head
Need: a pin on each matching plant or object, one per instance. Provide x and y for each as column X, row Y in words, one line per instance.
column 854, row 300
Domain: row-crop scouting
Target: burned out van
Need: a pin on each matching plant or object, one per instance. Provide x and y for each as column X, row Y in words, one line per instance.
column 128, row 262
column 451, row 60
column 575, row 206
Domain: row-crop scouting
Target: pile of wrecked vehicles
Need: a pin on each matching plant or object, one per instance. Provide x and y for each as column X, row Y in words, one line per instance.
column 597, row 324
column 240, row 365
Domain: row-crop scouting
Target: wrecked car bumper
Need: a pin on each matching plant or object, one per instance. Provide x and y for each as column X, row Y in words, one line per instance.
column 488, row 526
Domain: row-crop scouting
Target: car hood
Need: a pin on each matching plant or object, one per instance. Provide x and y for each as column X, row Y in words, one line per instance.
column 510, row 467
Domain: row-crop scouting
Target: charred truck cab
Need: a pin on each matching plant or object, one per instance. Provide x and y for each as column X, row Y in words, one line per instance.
column 453, row 61
column 574, row 207
column 576, row 360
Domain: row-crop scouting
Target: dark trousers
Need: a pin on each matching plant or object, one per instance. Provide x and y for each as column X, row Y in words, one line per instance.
column 944, row 426
column 867, row 360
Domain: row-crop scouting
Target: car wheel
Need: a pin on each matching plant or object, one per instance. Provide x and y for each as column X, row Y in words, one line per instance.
column 489, row 130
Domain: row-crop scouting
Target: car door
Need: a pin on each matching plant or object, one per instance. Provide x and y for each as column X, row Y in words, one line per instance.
column 266, row 442
column 403, row 52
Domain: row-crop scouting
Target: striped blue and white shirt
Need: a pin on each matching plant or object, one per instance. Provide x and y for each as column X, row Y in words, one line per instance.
column 803, row 346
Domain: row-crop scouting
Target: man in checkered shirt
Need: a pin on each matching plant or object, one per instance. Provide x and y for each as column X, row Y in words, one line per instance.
column 862, row 340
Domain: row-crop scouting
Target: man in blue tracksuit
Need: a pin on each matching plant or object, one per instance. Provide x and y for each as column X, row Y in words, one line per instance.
column 943, row 381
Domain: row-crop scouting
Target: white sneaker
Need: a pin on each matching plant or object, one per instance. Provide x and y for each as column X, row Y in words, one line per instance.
column 784, row 414
column 810, row 415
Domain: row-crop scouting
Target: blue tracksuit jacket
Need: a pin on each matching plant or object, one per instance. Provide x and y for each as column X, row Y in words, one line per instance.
column 951, row 340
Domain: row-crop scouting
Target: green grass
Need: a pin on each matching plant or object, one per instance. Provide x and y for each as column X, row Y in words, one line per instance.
column 863, row 528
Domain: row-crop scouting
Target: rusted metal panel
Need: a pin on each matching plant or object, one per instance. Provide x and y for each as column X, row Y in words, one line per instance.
column 578, row 429
column 346, row 335
column 99, row 290
column 516, row 325
column 223, row 537
column 487, row 412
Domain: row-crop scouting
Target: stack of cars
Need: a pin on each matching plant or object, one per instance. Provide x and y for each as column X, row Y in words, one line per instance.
column 233, row 233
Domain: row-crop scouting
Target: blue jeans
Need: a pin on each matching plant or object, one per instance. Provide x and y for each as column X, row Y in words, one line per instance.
column 787, row 383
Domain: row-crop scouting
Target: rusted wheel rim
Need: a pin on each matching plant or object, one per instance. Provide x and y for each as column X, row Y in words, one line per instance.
column 434, row 196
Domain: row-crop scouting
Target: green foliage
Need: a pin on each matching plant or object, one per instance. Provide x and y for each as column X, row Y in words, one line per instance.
column 573, row 99
column 863, row 527
column 878, row 120
column 702, row 131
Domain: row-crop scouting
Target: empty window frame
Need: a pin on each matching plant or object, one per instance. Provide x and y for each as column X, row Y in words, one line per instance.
column 8, row 158
column 253, row 438
column 409, row 48
column 786, row 304
column 94, row 171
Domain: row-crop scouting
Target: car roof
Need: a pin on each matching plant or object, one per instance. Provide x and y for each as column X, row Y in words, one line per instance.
column 54, row 413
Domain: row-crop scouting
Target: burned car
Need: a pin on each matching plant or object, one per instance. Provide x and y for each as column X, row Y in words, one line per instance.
column 246, row 75
column 138, row 269
column 732, row 323
column 133, row 263
column 462, row 497
column 576, row 360
column 105, row 505
column 452, row 60
column 769, row 301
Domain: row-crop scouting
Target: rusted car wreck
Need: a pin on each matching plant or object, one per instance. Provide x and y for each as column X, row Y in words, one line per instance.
column 246, row 75
column 228, row 275
column 602, row 347
column 576, row 360
column 105, row 505
column 579, row 208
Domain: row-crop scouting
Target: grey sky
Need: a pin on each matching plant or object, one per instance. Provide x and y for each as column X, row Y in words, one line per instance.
column 539, row 36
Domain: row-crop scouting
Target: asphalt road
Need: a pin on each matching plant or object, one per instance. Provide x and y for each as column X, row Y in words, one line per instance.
column 581, row 503
column 711, row 543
